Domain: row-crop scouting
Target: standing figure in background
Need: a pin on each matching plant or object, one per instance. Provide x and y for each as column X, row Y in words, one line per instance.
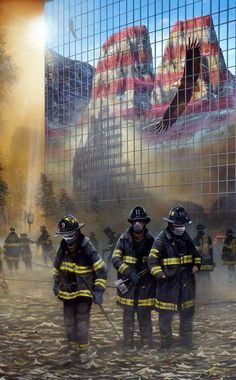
column 229, row 252
column 78, row 268
column 112, row 240
column 173, row 260
column 203, row 243
column 1, row 263
column 12, row 250
column 94, row 241
column 26, row 253
column 130, row 260
column 3, row 283
column 45, row 242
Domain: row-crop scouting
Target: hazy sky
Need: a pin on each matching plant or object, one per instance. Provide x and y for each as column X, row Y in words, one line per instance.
column 94, row 21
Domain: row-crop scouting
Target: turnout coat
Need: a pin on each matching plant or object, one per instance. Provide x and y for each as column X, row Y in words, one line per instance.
column 126, row 260
column 26, row 253
column 70, row 269
column 12, row 247
column 229, row 251
column 204, row 246
column 175, row 257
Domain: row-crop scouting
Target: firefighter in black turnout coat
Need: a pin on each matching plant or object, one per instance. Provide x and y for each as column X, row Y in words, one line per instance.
column 203, row 243
column 130, row 258
column 204, row 246
column 229, row 252
column 45, row 241
column 173, row 260
column 78, row 267
column 26, row 253
column 12, row 250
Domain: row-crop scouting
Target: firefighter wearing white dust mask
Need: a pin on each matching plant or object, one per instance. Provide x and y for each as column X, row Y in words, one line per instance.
column 130, row 260
column 173, row 260
column 79, row 279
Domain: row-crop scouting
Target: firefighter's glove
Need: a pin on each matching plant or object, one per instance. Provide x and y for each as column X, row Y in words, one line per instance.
column 134, row 277
column 195, row 269
column 56, row 289
column 98, row 297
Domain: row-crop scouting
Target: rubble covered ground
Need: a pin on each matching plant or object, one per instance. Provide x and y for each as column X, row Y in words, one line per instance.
column 33, row 344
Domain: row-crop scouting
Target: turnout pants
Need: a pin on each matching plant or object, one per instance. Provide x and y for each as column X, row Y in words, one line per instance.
column 76, row 320
column 12, row 264
column 145, row 326
column 185, row 330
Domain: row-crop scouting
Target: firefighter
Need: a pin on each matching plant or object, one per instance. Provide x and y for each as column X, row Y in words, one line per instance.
column 3, row 283
column 26, row 253
column 45, row 241
column 12, row 250
column 229, row 252
column 92, row 238
column 173, row 260
column 112, row 240
column 203, row 243
column 77, row 267
column 129, row 259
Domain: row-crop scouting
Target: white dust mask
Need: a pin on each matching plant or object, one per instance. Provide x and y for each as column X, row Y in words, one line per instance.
column 138, row 228
column 179, row 230
column 69, row 239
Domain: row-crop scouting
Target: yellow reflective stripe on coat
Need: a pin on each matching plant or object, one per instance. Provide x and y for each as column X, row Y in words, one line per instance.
column 122, row 268
column 171, row 261
column 144, row 259
column 79, row 293
column 117, row 253
column 154, row 252
column 12, row 258
column 156, row 269
column 228, row 262
column 98, row 265
column 165, row 305
column 72, row 267
column 207, row 267
column 187, row 304
column 146, row 302
column 187, row 259
column 129, row 259
column 55, row 271
column 12, row 245
column 101, row 282
column 197, row 260
column 125, row 301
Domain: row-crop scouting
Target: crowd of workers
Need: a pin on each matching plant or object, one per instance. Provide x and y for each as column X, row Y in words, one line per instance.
column 152, row 274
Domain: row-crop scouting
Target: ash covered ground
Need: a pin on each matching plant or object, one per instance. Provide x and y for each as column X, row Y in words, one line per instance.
column 33, row 343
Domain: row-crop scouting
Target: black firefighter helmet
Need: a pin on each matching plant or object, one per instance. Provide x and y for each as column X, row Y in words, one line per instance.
column 68, row 224
column 138, row 213
column 229, row 232
column 178, row 215
column 200, row 228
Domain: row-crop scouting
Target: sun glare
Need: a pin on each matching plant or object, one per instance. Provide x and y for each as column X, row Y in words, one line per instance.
column 37, row 31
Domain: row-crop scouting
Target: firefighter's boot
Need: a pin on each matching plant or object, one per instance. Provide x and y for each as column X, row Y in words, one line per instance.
column 129, row 346
column 86, row 357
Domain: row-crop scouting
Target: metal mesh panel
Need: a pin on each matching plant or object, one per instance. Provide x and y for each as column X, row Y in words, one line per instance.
column 112, row 69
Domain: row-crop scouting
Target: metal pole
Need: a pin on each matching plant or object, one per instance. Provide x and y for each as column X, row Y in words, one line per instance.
column 102, row 309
